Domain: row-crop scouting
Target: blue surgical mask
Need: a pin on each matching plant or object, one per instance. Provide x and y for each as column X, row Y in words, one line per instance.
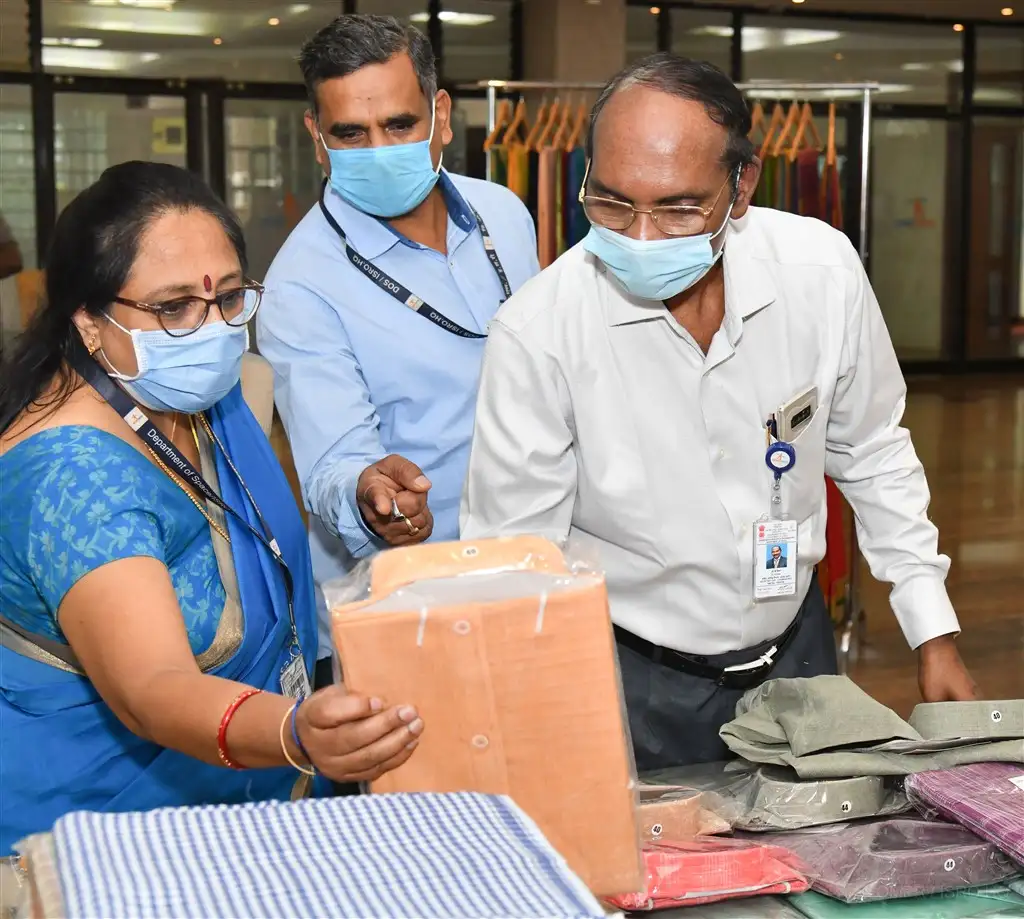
column 386, row 181
column 655, row 269
column 188, row 374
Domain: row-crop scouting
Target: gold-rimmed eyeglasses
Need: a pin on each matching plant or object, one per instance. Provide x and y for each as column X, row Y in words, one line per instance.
column 184, row 315
column 671, row 219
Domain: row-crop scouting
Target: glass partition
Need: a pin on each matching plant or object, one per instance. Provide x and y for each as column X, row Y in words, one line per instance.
column 910, row 255
column 704, row 35
column 96, row 130
column 1000, row 77
column 17, row 175
column 273, row 177
column 477, row 39
column 247, row 40
column 641, row 32
column 995, row 299
column 913, row 63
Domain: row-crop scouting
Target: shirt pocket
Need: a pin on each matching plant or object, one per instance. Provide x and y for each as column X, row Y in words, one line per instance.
column 803, row 487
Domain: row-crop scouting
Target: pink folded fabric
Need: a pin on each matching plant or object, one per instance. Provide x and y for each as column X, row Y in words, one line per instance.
column 987, row 798
column 707, row 870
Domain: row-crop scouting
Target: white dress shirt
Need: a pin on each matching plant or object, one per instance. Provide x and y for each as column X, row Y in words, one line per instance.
column 600, row 421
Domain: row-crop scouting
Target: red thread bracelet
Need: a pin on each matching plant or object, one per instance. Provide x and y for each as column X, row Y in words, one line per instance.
column 222, row 733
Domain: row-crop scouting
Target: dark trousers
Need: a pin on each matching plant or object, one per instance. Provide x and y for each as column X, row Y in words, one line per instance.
column 674, row 718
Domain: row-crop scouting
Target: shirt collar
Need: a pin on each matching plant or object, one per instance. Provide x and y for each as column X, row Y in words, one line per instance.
column 371, row 237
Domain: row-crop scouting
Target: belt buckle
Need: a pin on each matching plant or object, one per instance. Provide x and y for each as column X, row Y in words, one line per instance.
column 745, row 676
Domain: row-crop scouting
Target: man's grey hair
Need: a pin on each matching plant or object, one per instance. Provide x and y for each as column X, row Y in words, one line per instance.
column 351, row 42
column 697, row 81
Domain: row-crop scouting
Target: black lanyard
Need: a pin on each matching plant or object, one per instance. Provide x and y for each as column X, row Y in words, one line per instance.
column 140, row 423
column 401, row 293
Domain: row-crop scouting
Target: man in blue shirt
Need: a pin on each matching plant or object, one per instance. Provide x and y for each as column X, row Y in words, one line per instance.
column 377, row 305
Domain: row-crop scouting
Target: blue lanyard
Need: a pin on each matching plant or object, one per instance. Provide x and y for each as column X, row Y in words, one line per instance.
column 399, row 291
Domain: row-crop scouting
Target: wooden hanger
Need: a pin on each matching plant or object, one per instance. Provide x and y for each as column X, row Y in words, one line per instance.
column 564, row 127
column 574, row 138
column 831, row 155
column 790, row 123
column 518, row 121
column 757, row 122
column 805, row 124
column 538, row 125
column 542, row 139
column 504, row 117
column 770, row 133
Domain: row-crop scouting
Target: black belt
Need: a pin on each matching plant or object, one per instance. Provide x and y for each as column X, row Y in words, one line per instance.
column 739, row 676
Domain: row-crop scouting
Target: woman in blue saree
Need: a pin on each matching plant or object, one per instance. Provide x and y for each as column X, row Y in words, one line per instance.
column 154, row 650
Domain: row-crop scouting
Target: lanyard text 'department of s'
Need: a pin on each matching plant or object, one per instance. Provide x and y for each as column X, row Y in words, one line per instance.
column 399, row 291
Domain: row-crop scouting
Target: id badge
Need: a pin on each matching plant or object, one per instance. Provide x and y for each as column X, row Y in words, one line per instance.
column 775, row 558
column 294, row 679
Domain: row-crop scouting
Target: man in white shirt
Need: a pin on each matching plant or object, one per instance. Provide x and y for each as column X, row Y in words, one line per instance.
column 637, row 397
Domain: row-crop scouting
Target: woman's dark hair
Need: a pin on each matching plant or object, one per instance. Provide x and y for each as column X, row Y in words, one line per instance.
column 91, row 254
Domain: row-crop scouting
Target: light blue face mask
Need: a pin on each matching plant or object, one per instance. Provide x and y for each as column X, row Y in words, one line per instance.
column 655, row 269
column 386, row 181
column 188, row 374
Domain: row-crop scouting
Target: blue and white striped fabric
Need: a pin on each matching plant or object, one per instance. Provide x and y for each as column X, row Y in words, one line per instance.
column 368, row 857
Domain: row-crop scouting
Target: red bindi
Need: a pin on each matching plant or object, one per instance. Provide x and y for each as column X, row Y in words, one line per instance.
column 207, row 283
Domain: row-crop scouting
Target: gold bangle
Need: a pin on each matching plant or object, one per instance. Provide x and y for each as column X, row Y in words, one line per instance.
column 284, row 746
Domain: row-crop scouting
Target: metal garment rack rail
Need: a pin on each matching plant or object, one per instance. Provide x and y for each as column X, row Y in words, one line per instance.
column 854, row 621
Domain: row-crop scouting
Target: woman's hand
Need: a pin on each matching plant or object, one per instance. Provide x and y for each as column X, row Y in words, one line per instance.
column 354, row 738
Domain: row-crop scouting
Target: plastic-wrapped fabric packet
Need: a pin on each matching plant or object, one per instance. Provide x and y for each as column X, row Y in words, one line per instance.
column 891, row 858
column 761, row 798
column 708, row 869
column 997, row 902
column 505, row 648
column 987, row 798
column 670, row 813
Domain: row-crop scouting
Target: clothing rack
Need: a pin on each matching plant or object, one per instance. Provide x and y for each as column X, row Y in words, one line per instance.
column 854, row 621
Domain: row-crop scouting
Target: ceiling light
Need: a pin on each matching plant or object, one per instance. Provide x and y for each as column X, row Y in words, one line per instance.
column 655, row 10
column 273, row 21
column 450, row 17
column 838, row 56
column 218, row 41
column 297, row 9
column 798, row 1
column 758, row 39
column 958, row 27
column 91, row 59
column 72, row 42
column 1007, row 11
column 138, row 4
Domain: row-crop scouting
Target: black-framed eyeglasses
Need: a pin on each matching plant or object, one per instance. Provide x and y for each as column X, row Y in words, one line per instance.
column 671, row 219
column 184, row 315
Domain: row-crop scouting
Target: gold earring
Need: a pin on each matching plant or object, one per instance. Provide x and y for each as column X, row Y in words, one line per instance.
column 93, row 347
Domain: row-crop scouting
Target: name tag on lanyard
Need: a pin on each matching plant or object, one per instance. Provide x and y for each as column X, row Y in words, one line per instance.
column 775, row 534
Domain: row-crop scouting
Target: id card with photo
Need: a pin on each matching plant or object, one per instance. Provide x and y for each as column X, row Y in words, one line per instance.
column 775, row 559
column 295, row 680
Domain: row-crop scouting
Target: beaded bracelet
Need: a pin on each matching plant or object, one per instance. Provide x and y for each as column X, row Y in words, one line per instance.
column 284, row 746
column 222, row 733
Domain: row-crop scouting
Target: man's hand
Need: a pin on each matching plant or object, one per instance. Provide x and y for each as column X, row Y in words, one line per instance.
column 395, row 480
column 941, row 673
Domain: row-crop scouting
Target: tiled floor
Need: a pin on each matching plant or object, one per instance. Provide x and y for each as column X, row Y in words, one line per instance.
column 969, row 433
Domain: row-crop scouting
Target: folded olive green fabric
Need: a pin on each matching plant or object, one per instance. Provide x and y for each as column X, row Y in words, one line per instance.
column 828, row 727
